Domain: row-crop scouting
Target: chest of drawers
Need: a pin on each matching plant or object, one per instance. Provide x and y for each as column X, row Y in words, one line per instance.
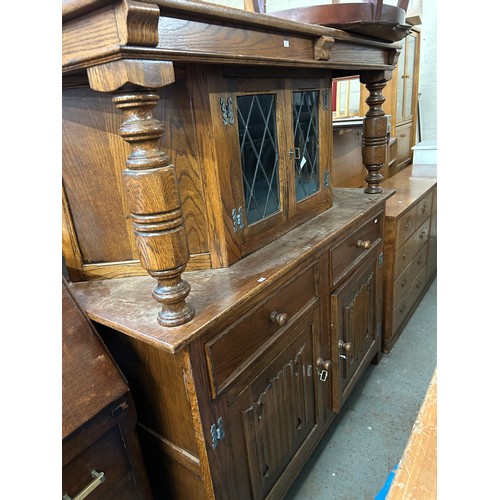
column 410, row 245
column 101, row 457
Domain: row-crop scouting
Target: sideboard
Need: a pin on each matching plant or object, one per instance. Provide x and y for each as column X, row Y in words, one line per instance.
column 239, row 291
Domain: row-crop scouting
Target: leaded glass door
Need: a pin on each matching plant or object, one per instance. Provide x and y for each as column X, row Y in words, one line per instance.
column 273, row 152
column 306, row 143
column 258, row 142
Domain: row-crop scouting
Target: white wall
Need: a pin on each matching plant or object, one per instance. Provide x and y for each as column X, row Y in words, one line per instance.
column 428, row 70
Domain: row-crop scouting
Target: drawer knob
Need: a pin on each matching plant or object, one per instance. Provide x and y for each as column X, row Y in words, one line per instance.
column 344, row 345
column 99, row 478
column 408, row 225
column 423, row 234
column 402, row 308
column 403, row 283
column 364, row 244
column 326, row 364
column 424, row 208
column 279, row 318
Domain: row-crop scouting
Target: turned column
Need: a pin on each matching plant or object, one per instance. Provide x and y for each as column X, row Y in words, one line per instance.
column 374, row 144
column 150, row 181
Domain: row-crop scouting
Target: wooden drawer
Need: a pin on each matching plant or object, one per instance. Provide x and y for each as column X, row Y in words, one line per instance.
column 349, row 252
column 405, row 279
column 406, row 303
column 107, row 455
column 412, row 219
column 237, row 346
column 411, row 247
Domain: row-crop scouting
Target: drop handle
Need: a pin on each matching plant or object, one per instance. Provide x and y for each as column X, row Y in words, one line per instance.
column 364, row 244
column 344, row 345
column 99, row 478
column 324, row 364
column 279, row 318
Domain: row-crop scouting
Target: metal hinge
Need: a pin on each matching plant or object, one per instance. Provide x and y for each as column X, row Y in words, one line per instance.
column 227, row 110
column 238, row 219
column 325, row 98
column 217, row 433
column 326, row 179
column 380, row 260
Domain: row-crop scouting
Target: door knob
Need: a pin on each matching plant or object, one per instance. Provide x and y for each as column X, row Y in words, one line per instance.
column 344, row 345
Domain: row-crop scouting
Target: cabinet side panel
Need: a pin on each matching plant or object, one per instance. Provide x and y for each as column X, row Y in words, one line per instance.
column 180, row 144
column 156, row 382
column 169, row 477
column 93, row 157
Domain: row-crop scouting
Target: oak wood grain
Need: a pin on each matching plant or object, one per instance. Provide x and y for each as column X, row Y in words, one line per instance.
column 126, row 304
column 416, row 476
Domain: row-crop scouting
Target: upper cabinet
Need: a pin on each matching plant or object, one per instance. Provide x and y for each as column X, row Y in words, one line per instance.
column 279, row 137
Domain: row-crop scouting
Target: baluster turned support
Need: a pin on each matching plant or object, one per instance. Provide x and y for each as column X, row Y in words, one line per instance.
column 150, row 182
column 374, row 144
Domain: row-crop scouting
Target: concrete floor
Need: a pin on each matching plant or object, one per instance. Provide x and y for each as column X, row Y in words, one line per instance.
column 368, row 437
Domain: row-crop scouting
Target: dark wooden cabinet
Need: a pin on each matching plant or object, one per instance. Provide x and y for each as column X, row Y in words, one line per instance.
column 101, row 457
column 234, row 402
column 225, row 273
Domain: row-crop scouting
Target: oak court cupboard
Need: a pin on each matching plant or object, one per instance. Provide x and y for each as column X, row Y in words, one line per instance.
column 239, row 291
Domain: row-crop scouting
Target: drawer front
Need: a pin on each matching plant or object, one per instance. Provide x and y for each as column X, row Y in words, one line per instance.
column 404, row 306
column 411, row 247
column 107, row 455
column 412, row 219
column 348, row 253
column 234, row 348
column 405, row 279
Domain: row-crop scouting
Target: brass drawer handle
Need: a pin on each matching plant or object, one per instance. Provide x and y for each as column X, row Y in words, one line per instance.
column 279, row 318
column 424, row 208
column 344, row 345
column 364, row 244
column 408, row 225
column 423, row 234
column 402, row 308
column 404, row 256
column 403, row 283
column 99, row 478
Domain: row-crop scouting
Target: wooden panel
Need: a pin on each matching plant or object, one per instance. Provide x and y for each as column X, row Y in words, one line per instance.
column 404, row 135
column 416, row 476
column 347, row 254
column 92, row 167
column 355, row 313
column 238, row 345
column 106, row 455
column 175, row 111
column 412, row 245
column 157, row 384
column 432, row 255
column 348, row 168
column 267, row 433
column 170, row 477
column 84, row 392
column 205, row 38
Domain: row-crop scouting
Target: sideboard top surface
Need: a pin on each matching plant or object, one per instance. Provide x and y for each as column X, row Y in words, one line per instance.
column 409, row 189
column 126, row 304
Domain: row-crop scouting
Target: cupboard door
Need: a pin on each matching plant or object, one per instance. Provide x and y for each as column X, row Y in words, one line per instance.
column 270, row 419
column 356, row 314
